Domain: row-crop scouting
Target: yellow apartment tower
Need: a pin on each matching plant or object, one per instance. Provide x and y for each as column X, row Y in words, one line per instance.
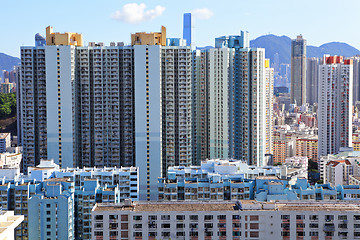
column 153, row 38
column 67, row 38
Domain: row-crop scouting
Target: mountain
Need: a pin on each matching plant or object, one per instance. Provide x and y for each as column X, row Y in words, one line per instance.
column 8, row 62
column 282, row 45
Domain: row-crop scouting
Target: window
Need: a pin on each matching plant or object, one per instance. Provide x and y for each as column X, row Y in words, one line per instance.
column 285, row 234
column 194, row 217
column 313, row 233
column 285, row 216
column 99, row 217
column 47, row 205
column 208, row 217
column 180, row 217
column 254, row 234
column 165, row 225
column 356, row 225
column 254, row 226
column 137, row 218
column 47, row 212
column 98, row 233
column 180, row 234
column 208, row 225
column 152, row 218
column 313, row 217
column 221, row 225
column 313, row 225
column 300, row 217
column 236, row 225
column 137, row 234
column 342, row 217
column 165, row 217
column 193, row 225
column 300, row 225
column 165, row 234
column 113, row 217
column 137, row 225
column 180, row 225
column 236, row 217
column 300, row 234
column 221, row 217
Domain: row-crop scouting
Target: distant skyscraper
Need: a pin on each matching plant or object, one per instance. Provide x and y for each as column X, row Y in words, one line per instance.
column 335, row 105
column 188, row 29
column 356, row 89
column 298, row 71
column 312, row 80
column 39, row 40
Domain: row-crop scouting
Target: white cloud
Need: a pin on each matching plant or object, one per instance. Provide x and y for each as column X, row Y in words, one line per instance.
column 202, row 13
column 134, row 13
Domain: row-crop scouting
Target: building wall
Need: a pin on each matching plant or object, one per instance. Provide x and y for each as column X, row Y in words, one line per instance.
column 335, row 107
column 60, row 77
column 298, row 71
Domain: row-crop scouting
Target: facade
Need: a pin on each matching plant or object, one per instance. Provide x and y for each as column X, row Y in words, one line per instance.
column 283, row 148
column 7, row 87
column 312, row 80
column 228, row 120
column 188, row 29
column 86, row 100
column 298, row 71
column 227, row 220
column 54, row 209
column 9, row 222
column 269, row 73
column 10, row 160
column 153, row 38
column 335, row 105
column 356, row 76
column 307, row 147
column 337, row 168
column 5, row 141
column 230, row 179
column 83, row 187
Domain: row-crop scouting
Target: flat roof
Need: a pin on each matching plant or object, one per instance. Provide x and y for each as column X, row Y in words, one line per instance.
column 247, row 205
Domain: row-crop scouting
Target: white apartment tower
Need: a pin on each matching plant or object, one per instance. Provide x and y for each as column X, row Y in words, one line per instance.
column 230, row 93
column 269, row 75
column 335, row 105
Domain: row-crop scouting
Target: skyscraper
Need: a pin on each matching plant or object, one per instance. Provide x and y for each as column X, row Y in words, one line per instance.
column 269, row 101
column 107, row 105
column 188, row 29
column 229, row 99
column 356, row 88
column 298, row 71
column 335, row 105
column 312, row 80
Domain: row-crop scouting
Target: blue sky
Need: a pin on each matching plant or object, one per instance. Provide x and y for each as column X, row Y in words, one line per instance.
column 319, row 21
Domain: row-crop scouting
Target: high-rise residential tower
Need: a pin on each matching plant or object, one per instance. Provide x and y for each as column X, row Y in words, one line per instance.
column 356, row 86
column 269, row 101
column 312, row 80
column 109, row 106
column 298, row 71
column 229, row 99
column 335, row 105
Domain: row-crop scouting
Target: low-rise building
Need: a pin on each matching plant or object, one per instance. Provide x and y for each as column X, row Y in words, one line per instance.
column 227, row 220
column 221, row 180
column 8, row 223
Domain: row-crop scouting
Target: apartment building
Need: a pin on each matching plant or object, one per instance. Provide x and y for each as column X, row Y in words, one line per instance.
column 307, row 147
column 337, row 168
column 269, row 74
column 5, row 142
column 8, row 224
column 227, row 220
column 298, row 71
column 86, row 186
column 335, row 105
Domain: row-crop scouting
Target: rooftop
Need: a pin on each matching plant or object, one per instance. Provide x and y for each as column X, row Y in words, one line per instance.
column 248, row 205
column 3, row 135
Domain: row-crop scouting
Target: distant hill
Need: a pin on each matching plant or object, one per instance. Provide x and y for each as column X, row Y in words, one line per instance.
column 282, row 45
column 8, row 62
